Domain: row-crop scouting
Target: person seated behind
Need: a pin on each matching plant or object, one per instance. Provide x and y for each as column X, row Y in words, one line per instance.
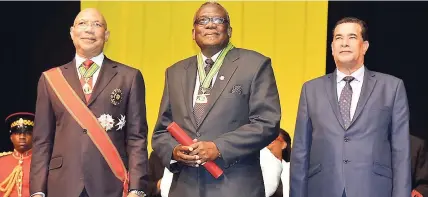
column 418, row 148
column 15, row 166
column 156, row 171
column 277, row 183
column 274, row 162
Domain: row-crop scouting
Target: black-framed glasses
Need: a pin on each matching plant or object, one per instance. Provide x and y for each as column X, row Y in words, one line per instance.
column 206, row 20
column 85, row 24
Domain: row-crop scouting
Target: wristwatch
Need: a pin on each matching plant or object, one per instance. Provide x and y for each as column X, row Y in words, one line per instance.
column 139, row 193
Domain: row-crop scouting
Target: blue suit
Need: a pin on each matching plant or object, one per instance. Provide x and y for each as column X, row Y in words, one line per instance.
column 369, row 159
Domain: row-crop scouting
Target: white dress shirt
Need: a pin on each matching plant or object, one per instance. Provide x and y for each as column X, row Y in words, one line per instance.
column 285, row 178
column 271, row 171
column 198, row 83
column 356, row 86
column 165, row 183
column 97, row 59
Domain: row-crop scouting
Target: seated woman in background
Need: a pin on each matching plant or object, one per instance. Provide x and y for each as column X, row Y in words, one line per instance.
column 277, row 182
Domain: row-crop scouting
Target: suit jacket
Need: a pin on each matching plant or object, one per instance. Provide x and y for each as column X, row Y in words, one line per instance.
column 65, row 160
column 370, row 158
column 419, row 165
column 240, row 123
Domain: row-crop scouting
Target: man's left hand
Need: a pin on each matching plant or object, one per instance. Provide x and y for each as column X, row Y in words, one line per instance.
column 207, row 151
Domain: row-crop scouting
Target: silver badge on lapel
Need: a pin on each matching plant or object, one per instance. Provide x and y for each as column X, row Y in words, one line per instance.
column 106, row 121
column 116, row 96
column 201, row 98
column 121, row 122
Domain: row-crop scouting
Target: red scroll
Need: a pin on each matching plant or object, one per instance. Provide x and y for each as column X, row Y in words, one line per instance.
column 185, row 140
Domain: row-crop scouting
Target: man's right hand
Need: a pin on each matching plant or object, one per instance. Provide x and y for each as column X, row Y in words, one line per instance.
column 158, row 184
column 181, row 154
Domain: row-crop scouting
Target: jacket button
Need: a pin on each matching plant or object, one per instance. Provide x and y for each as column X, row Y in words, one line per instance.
column 346, row 161
column 346, row 139
column 85, row 131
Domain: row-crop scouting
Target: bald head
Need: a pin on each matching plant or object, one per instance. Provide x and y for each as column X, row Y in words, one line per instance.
column 93, row 13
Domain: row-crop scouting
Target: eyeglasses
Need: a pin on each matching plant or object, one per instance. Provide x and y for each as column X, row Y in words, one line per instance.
column 85, row 24
column 206, row 20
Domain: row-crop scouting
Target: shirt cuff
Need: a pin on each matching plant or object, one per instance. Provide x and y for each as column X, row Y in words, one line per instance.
column 38, row 193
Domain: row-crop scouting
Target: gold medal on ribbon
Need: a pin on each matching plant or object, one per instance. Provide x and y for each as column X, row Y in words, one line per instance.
column 86, row 74
column 206, row 78
column 201, row 98
column 87, row 88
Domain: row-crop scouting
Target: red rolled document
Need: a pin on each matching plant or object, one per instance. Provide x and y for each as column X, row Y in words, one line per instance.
column 185, row 140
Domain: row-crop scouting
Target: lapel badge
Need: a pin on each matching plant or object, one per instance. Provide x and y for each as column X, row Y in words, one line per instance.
column 121, row 122
column 116, row 96
column 221, row 78
column 106, row 121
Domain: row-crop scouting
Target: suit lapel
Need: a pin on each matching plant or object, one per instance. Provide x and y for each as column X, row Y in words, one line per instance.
column 331, row 89
column 188, row 84
column 226, row 71
column 107, row 73
column 70, row 73
column 367, row 89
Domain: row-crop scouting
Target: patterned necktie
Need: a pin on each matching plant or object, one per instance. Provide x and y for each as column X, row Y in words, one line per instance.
column 345, row 101
column 199, row 108
column 86, row 81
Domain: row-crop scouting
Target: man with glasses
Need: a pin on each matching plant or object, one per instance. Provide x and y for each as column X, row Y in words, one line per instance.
column 90, row 134
column 226, row 99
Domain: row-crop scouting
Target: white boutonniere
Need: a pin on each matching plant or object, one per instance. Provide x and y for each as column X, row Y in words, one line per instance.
column 121, row 122
column 106, row 121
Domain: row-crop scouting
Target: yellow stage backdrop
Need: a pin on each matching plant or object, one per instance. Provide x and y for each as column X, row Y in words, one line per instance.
column 152, row 35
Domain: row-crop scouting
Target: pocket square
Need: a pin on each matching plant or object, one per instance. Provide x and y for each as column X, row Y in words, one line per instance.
column 237, row 89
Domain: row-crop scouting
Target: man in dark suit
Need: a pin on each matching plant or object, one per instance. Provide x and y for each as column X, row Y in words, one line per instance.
column 419, row 168
column 352, row 128
column 66, row 162
column 227, row 100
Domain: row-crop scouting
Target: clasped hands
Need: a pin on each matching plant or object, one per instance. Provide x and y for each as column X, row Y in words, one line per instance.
column 196, row 154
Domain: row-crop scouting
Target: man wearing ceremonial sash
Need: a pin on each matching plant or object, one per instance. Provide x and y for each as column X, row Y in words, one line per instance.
column 226, row 99
column 90, row 134
column 15, row 166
